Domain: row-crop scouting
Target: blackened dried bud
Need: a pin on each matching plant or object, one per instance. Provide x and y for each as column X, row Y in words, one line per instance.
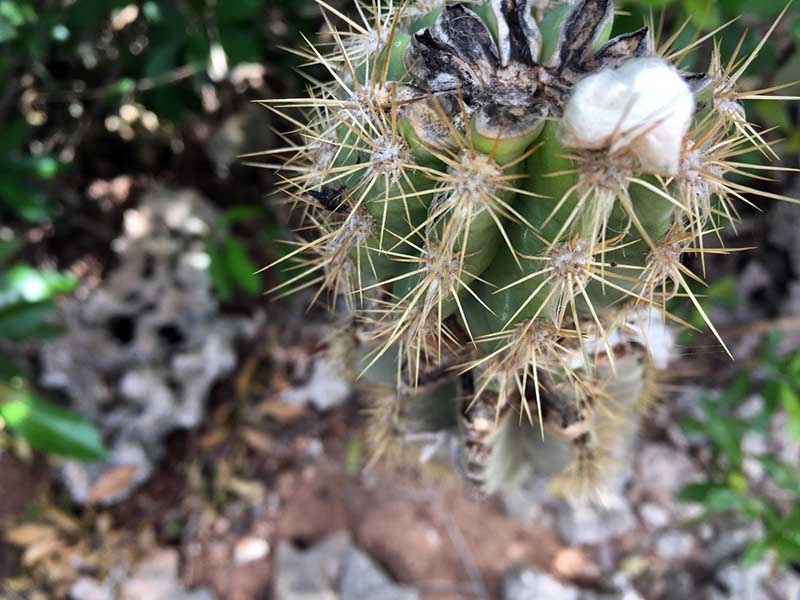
column 459, row 55
column 575, row 55
column 623, row 47
column 580, row 34
column 329, row 197
column 524, row 38
column 495, row 120
column 456, row 54
column 697, row 82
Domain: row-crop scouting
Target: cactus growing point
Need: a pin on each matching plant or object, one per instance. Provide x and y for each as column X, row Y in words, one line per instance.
column 502, row 195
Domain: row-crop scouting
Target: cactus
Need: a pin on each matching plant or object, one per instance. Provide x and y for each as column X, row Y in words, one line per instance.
column 502, row 195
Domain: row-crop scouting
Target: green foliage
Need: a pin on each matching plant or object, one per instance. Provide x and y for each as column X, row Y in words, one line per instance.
column 22, row 175
column 94, row 56
column 729, row 488
column 48, row 427
column 232, row 267
column 68, row 67
column 27, row 301
column 27, row 297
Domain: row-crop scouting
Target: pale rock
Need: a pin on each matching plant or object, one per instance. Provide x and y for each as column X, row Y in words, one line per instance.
column 675, row 545
column 142, row 351
column 250, row 549
column 584, row 523
column 527, row 584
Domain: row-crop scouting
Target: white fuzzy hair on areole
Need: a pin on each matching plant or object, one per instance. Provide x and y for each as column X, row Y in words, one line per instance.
column 644, row 107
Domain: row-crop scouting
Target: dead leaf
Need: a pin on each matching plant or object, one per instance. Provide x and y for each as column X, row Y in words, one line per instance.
column 258, row 441
column 279, row 410
column 213, row 438
column 245, row 377
column 41, row 549
column 247, row 489
column 572, row 563
column 62, row 520
column 222, row 413
column 30, row 533
column 110, row 483
column 280, row 382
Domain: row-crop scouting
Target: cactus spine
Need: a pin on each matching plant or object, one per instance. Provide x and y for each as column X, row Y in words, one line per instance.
column 502, row 195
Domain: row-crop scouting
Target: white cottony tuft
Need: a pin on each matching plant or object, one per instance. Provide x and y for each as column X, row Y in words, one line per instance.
column 644, row 107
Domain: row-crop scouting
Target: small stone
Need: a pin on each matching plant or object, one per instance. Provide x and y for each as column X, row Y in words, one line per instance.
column 363, row 580
column 87, row 588
column 661, row 471
column 528, row 502
column 653, row 515
column 574, row 563
column 730, row 541
column 675, row 545
column 745, row 583
column 587, row 524
column 310, row 574
column 328, row 387
column 250, row 549
column 156, row 578
column 680, row 585
column 530, row 584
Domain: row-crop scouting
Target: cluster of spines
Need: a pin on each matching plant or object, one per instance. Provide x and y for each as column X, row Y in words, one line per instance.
column 512, row 253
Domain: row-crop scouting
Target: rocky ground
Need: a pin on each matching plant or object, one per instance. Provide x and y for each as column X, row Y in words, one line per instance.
column 266, row 497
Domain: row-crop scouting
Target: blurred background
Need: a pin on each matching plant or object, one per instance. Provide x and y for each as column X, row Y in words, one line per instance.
column 167, row 431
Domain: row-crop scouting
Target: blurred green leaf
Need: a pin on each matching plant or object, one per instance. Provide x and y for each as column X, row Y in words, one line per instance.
column 244, row 212
column 725, row 432
column 12, row 137
column 724, row 499
column 724, row 292
column 241, row 45
column 223, row 288
column 704, row 14
column 48, row 427
column 690, row 425
column 33, row 285
column 26, row 321
column 241, row 11
column 699, row 492
column 8, row 368
column 8, row 248
column 124, row 86
column 738, row 390
column 240, row 266
column 785, row 475
column 31, row 204
column 755, row 552
column 788, row 548
column 60, row 33
column 162, row 59
column 793, row 368
column 790, row 400
column 152, row 11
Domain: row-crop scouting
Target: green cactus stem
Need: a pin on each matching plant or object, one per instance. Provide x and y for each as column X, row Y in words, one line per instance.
column 503, row 195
